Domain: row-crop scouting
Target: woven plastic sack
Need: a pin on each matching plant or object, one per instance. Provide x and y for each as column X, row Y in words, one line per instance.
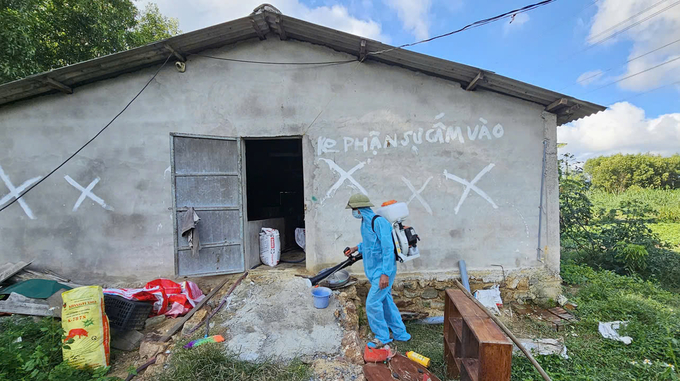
column 300, row 237
column 84, row 321
column 270, row 247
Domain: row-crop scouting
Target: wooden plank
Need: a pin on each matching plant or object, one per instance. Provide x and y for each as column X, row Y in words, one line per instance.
column 464, row 305
column 53, row 83
column 400, row 366
column 8, row 270
column 362, row 50
column 282, row 32
column 469, row 370
column 191, row 313
column 486, row 331
column 471, row 86
column 174, row 52
column 257, row 29
column 560, row 103
column 495, row 362
column 562, row 313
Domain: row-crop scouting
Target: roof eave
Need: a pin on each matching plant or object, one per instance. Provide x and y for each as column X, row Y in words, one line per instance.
column 258, row 25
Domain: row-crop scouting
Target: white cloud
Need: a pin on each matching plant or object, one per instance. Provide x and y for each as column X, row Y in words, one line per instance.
column 414, row 15
column 622, row 128
column 516, row 22
column 198, row 14
column 589, row 77
column 648, row 35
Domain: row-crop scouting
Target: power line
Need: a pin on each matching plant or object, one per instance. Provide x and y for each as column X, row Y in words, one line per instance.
column 633, row 75
column 648, row 91
column 475, row 24
column 628, row 19
column 623, row 30
column 613, row 67
column 273, row 63
column 89, row 141
column 574, row 54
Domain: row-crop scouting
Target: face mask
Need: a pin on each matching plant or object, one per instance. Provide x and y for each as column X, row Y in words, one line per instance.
column 356, row 214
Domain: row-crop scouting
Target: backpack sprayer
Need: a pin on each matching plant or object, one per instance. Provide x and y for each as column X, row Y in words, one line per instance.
column 404, row 238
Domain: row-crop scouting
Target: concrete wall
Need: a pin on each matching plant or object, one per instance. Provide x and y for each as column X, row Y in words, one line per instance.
column 472, row 158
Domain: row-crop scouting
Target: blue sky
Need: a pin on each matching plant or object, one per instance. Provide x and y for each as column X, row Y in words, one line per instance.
column 552, row 47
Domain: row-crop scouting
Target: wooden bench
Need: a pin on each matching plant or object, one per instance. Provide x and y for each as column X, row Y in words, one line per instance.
column 475, row 349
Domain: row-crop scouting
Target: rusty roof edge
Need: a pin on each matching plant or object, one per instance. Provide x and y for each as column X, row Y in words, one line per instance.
column 449, row 70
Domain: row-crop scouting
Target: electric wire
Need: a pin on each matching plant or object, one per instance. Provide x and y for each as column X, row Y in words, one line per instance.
column 626, row 20
column 475, row 24
column 614, row 67
column 274, row 63
column 594, row 44
column 89, row 141
column 647, row 92
column 633, row 75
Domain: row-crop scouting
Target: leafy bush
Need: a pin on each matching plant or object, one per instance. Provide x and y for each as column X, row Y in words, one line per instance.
column 613, row 238
column 31, row 350
column 618, row 172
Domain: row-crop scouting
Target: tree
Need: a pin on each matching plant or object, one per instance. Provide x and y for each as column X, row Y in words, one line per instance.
column 618, row 172
column 39, row 35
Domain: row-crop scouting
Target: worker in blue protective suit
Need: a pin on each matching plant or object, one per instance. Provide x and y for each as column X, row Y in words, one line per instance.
column 380, row 267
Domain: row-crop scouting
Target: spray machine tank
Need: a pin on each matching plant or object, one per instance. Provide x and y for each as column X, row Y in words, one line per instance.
column 405, row 237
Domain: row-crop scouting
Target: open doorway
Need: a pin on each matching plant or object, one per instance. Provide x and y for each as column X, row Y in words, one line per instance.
column 275, row 194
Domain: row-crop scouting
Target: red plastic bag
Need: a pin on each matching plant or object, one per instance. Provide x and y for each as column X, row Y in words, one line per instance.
column 169, row 298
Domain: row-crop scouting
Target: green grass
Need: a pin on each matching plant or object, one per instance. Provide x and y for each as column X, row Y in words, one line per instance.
column 665, row 202
column 654, row 325
column 428, row 340
column 668, row 232
column 211, row 362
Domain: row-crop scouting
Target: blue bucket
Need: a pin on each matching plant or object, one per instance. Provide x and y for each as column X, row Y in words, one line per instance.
column 321, row 296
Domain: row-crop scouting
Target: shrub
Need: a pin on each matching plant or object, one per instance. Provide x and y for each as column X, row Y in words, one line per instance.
column 619, row 172
column 31, row 350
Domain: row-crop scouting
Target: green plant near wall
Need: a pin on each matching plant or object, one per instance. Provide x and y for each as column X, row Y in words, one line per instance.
column 32, row 351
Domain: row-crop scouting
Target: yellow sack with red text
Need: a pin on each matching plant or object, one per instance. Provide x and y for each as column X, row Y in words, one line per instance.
column 84, row 321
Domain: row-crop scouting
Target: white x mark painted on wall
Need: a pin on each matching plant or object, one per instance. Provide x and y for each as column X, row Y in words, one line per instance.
column 15, row 192
column 344, row 175
column 416, row 193
column 471, row 185
column 87, row 192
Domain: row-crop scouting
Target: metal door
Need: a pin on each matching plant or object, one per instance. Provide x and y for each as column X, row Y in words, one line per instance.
column 206, row 175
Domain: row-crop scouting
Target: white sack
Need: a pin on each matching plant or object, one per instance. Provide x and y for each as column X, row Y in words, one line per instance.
column 270, row 247
column 300, row 237
column 491, row 299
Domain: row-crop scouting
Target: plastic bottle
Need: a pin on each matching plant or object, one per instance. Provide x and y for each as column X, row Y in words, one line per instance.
column 420, row 359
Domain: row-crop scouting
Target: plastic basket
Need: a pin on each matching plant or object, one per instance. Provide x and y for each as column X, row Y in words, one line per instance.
column 126, row 315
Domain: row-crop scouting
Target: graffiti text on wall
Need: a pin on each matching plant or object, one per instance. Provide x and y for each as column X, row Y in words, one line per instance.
column 438, row 134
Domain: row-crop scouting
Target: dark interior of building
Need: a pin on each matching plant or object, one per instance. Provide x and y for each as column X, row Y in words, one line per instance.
column 274, row 183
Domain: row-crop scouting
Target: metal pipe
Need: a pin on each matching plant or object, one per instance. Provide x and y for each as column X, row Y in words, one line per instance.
column 464, row 274
column 540, row 205
column 328, row 272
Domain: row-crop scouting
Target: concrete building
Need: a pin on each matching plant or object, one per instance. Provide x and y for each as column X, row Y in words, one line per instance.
column 277, row 145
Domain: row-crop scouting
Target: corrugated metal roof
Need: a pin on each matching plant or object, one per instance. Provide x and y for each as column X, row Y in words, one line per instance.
column 266, row 22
